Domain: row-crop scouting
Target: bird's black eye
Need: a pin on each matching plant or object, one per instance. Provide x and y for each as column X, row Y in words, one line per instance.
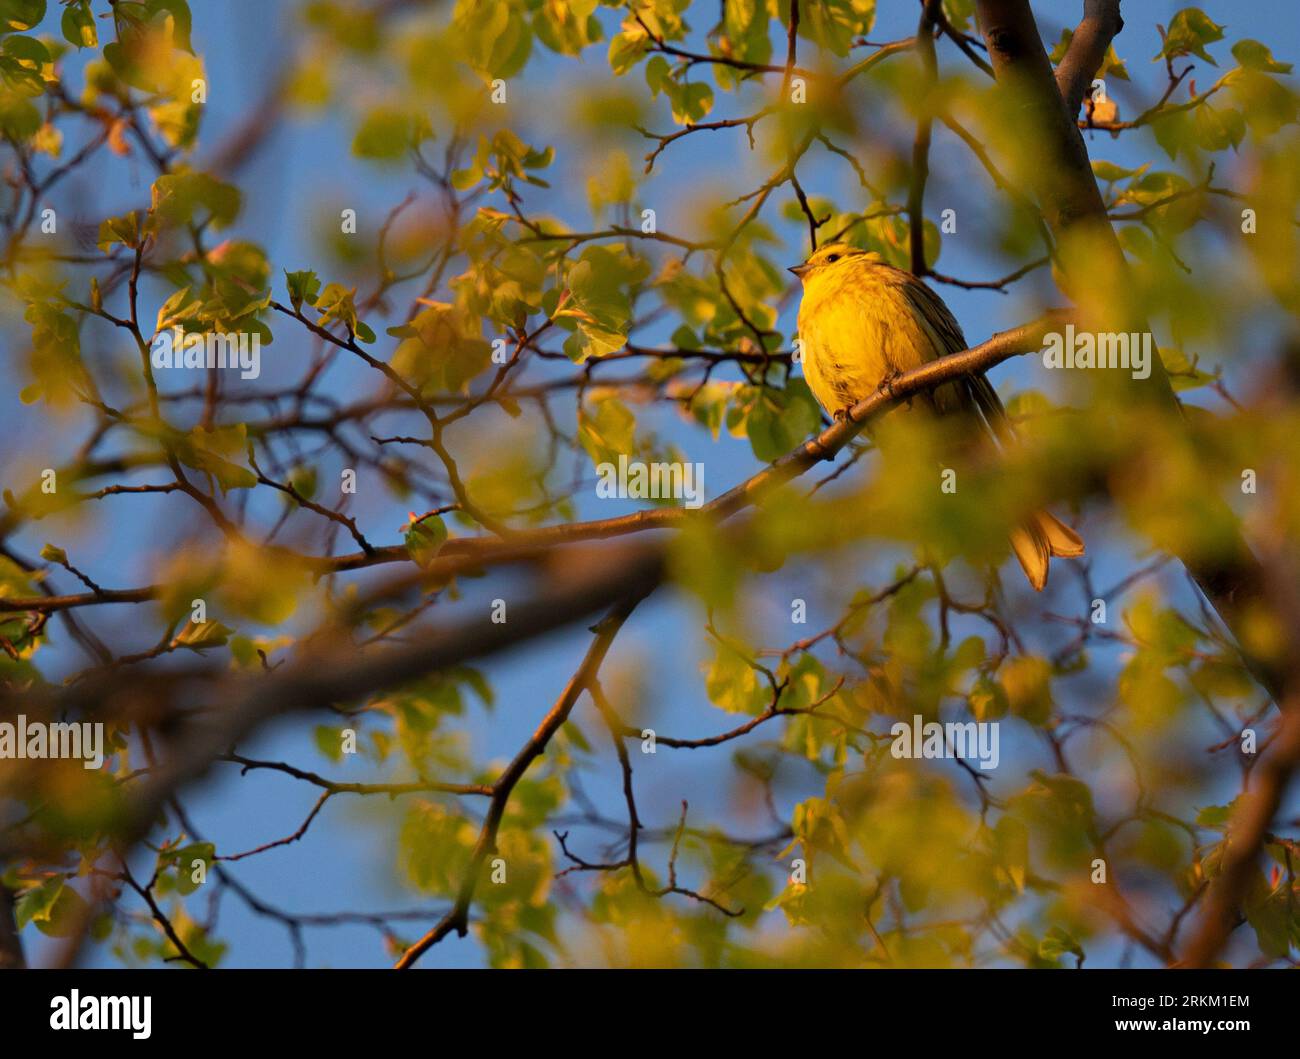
column 833, row 257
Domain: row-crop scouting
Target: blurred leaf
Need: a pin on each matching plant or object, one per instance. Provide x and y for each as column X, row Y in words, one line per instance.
column 425, row 538
column 1257, row 56
column 1027, row 680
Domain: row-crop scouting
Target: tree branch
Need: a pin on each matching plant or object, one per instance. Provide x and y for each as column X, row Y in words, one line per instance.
column 1073, row 207
column 1255, row 810
column 1259, row 803
column 11, row 945
column 921, row 144
column 458, row 918
column 1100, row 26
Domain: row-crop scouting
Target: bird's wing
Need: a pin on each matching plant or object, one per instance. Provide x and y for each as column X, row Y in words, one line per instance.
column 990, row 406
column 945, row 325
column 936, row 314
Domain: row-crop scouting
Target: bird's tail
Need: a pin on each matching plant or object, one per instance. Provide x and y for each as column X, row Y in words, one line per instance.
column 1041, row 537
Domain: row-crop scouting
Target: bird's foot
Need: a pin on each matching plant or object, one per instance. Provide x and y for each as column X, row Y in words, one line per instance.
column 887, row 385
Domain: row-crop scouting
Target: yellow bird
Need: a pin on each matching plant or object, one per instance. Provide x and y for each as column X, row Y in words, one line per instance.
column 861, row 322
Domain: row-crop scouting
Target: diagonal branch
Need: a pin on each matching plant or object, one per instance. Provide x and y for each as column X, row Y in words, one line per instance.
column 1255, row 810
column 1259, row 803
column 458, row 918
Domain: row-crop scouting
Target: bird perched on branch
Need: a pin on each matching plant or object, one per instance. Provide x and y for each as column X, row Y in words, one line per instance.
column 861, row 322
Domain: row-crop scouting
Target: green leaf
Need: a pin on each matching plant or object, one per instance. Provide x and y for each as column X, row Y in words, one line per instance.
column 600, row 301
column 1215, row 816
column 627, row 49
column 425, row 539
column 834, row 24
column 55, row 352
column 183, row 860
column 214, row 453
column 1217, row 130
column 606, row 427
column 179, row 10
column 303, row 287
column 20, row 14
column 1027, row 680
column 745, row 36
column 124, row 230
column 691, row 102
column 1072, row 795
column 328, row 741
column 302, row 479
column 385, row 134
column 778, row 420
column 1056, row 943
column 36, row 902
column 1189, row 31
column 182, row 198
column 1109, row 171
column 198, row 637
column 179, row 306
column 1265, row 103
column 569, row 27
column 29, row 51
column 988, row 700
column 434, row 847
column 494, row 36
column 78, row 25
column 19, row 117
column 54, row 906
column 657, row 73
column 441, row 348
column 732, row 683
column 53, row 554
column 1256, row 56
column 336, row 303
column 1174, row 132
column 1269, row 915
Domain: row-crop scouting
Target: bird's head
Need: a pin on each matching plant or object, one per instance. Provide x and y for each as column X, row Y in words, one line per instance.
column 832, row 256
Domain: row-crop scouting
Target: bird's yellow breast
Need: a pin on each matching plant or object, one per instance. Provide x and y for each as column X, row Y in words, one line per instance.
column 857, row 327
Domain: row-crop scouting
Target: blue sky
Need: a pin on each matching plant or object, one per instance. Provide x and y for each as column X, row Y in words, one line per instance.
column 346, row 861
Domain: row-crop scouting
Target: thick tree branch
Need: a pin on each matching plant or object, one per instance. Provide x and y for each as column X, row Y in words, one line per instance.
column 1255, row 810
column 1067, row 191
column 1260, row 801
column 1101, row 24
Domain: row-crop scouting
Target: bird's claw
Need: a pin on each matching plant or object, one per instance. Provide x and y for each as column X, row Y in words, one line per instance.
column 887, row 386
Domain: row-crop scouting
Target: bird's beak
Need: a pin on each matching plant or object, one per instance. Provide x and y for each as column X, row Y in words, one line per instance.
column 798, row 270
